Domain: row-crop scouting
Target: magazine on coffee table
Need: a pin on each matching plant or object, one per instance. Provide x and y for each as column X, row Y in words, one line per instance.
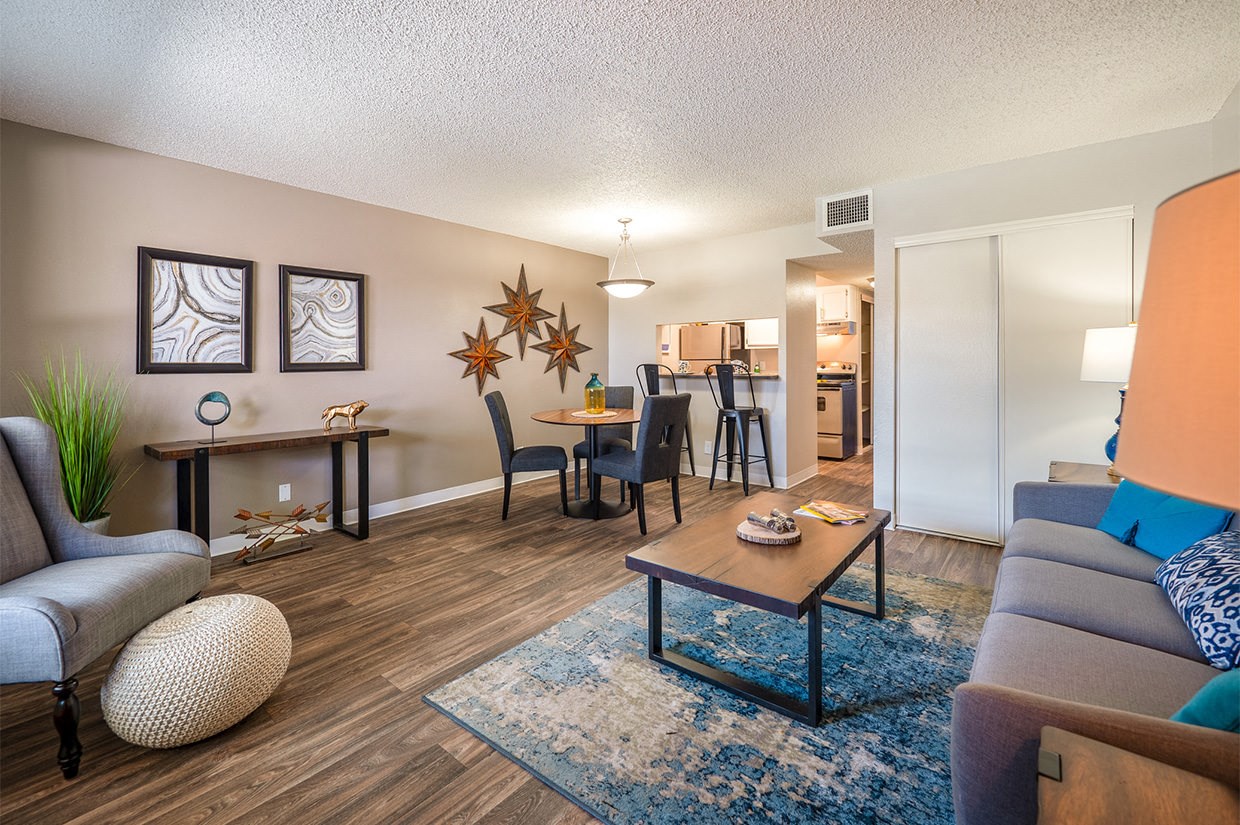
column 831, row 511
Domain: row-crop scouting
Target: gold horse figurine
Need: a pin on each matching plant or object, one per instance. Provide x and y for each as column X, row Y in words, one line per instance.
column 349, row 411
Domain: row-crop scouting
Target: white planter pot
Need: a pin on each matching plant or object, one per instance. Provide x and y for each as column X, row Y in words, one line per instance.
column 99, row 525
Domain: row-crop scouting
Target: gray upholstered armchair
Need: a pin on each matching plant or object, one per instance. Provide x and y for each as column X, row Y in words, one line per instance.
column 68, row 595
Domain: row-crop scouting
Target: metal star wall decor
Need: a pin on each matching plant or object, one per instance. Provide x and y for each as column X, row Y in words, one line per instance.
column 521, row 311
column 562, row 347
column 480, row 355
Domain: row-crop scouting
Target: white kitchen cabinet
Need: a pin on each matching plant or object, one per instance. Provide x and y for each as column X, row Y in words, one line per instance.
column 989, row 332
column 761, row 333
column 835, row 303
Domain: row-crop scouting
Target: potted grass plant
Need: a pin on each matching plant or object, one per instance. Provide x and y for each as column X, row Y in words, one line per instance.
column 85, row 408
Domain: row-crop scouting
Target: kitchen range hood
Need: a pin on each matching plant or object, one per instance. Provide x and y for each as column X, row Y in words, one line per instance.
column 837, row 328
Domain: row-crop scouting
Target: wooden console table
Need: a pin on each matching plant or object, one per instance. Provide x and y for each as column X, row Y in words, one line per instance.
column 193, row 471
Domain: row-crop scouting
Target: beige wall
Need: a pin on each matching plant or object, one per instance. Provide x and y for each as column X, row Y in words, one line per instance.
column 74, row 211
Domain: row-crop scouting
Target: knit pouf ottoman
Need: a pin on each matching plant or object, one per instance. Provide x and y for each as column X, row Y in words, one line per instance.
column 197, row 671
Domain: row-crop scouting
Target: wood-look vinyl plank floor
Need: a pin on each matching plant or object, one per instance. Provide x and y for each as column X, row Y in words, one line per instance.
column 376, row 624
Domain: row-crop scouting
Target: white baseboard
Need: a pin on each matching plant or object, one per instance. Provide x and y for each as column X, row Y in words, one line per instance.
column 232, row 544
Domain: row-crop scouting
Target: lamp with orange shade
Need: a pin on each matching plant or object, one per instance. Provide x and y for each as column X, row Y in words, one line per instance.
column 1181, row 431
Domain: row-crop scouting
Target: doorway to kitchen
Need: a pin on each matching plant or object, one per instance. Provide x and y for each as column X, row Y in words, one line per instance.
column 843, row 346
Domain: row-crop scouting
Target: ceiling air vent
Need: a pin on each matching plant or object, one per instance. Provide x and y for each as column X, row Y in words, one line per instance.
column 846, row 212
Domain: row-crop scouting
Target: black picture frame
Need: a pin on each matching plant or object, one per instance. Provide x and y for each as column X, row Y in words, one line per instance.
column 195, row 312
column 322, row 320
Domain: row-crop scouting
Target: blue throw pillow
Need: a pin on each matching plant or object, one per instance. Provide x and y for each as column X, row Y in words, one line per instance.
column 1157, row 523
column 1216, row 705
column 1203, row 584
column 1130, row 502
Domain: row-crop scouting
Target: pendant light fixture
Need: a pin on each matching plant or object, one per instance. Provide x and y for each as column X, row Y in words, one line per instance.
column 625, row 287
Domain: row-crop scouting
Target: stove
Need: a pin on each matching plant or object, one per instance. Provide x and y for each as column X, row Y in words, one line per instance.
column 831, row 373
column 837, row 409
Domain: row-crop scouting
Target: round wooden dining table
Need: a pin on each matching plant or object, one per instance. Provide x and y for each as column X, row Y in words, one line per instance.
column 594, row 507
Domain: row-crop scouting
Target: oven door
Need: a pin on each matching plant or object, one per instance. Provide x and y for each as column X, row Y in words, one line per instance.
column 830, row 411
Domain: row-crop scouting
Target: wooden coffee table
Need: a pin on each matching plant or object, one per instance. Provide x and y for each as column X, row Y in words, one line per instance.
column 791, row 580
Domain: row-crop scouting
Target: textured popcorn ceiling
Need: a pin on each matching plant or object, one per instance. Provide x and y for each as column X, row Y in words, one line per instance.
column 548, row 120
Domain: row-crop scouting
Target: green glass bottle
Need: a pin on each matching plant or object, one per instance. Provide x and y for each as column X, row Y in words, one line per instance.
column 596, row 395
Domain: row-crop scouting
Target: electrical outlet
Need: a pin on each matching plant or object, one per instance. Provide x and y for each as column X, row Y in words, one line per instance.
column 286, row 492
column 706, row 449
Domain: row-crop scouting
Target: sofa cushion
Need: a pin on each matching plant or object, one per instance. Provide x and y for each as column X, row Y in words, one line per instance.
column 1065, row 663
column 1112, row 606
column 1158, row 523
column 1079, row 546
column 1203, row 584
column 1217, row 705
column 22, row 546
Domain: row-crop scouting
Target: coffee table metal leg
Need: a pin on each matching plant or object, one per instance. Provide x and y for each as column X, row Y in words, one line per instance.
column 654, row 615
column 880, row 584
column 809, row 712
column 814, row 680
column 879, row 608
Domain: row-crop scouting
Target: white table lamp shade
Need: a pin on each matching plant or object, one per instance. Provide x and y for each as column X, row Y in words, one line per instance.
column 1108, row 354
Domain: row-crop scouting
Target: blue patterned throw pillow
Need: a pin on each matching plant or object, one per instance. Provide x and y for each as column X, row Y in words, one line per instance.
column 1203, row 582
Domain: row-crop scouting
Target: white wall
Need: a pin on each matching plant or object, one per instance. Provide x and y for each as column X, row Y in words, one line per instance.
column 1139, row 171
column 745, row 276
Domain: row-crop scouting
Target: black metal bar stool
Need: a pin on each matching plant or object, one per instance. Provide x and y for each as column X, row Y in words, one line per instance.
column 737, row 420
column 648, row 380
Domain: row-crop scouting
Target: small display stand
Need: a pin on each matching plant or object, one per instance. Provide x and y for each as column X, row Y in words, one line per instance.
column 760, row 535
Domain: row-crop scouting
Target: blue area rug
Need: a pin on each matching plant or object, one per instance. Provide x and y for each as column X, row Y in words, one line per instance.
column 582, row 708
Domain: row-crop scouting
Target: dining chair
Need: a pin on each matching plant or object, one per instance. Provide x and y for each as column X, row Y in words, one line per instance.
column 610, row 436
column 655, row 455
column 648, row 376
column 513, row 459
column 736, row 420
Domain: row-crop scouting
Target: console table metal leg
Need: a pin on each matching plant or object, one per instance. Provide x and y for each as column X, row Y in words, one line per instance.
column 362, row 530
column 363, row 486
column 185, row 507
column 338, row 485
column 202, row 494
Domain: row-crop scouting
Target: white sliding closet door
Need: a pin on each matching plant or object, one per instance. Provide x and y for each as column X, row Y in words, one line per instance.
column 947, row 388
column 1058, row 281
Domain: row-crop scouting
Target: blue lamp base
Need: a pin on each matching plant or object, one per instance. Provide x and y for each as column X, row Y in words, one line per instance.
column 1113, row 442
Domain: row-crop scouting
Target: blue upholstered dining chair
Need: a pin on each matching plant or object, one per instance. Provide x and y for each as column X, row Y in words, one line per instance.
column 610, row 436
column 648, row 376
column 655, row 455
column 67, row 594
column 513, row 459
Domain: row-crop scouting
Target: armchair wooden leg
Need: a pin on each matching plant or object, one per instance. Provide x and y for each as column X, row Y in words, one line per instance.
column 507, row 494
column 65, row 717
column 676, row 497
column 632, row 496
column 576, row 479
column 564, row 492
column 639, row 494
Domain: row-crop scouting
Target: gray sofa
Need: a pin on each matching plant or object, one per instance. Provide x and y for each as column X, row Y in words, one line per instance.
column 68, row 595
column 1079, row 637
